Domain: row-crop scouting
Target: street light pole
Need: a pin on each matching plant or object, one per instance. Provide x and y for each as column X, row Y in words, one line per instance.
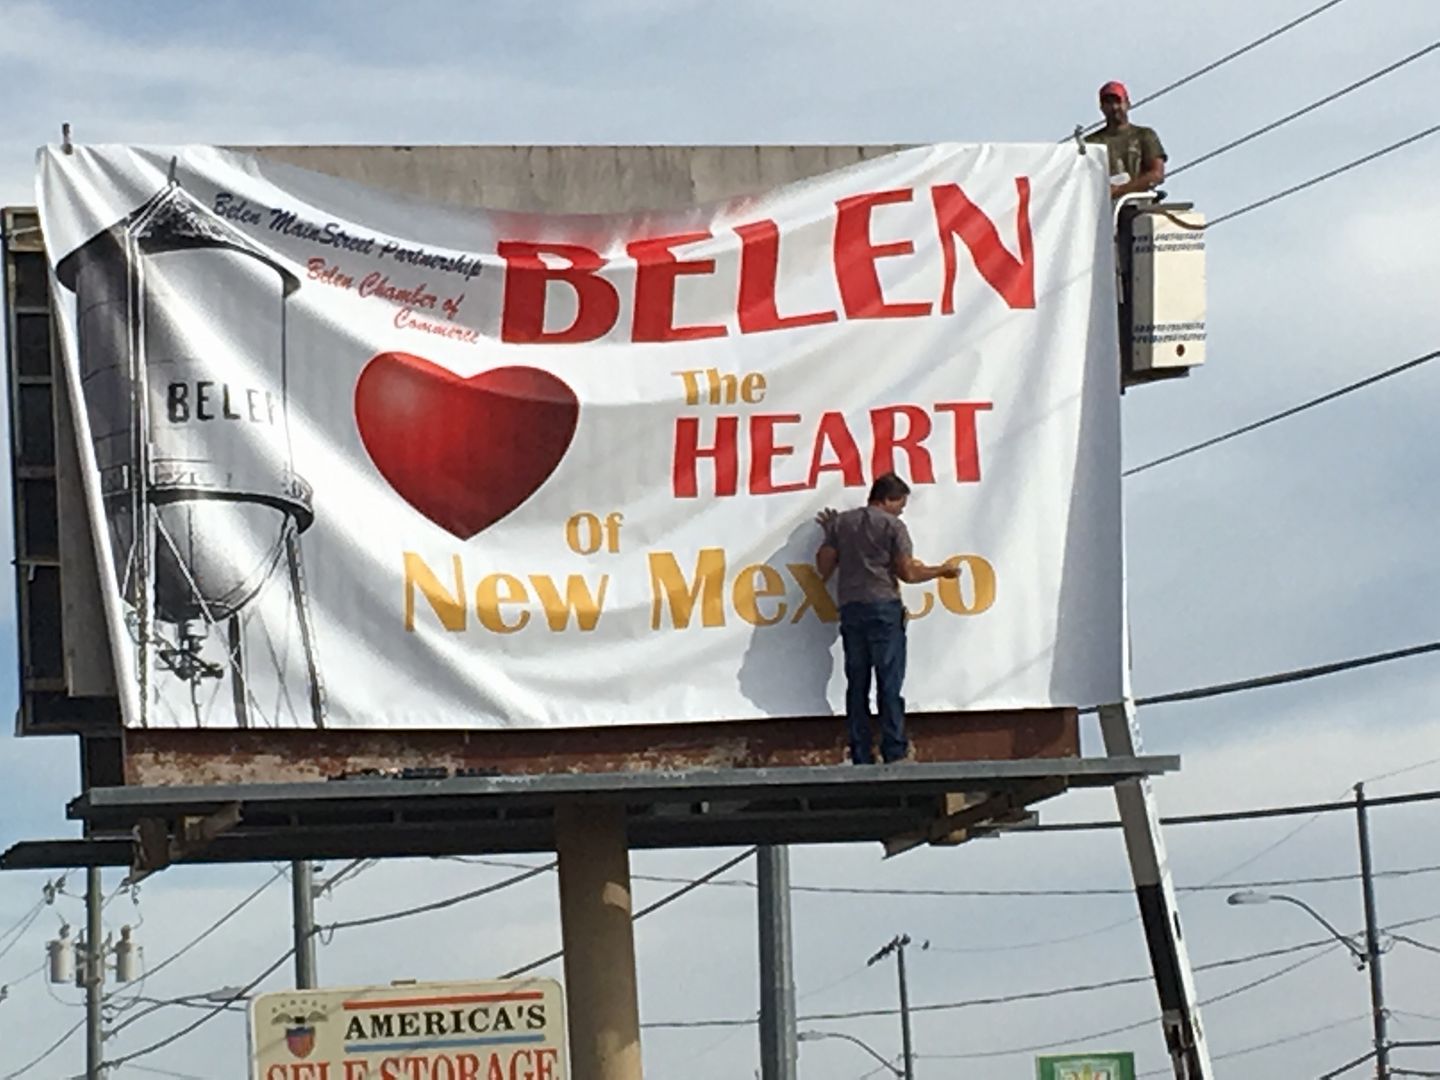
column 897, row 945
column 812, row 1036
column 1372, row 939
column 1250, row 896
column 1367, row 957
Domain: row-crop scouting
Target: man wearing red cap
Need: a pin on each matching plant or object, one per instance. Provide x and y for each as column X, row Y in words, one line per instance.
column 1137, row 160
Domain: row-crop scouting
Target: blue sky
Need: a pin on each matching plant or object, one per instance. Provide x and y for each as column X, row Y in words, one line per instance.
column 1309, row 541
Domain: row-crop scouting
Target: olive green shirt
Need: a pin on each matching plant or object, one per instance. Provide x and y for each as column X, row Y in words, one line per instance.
column 1131, row 149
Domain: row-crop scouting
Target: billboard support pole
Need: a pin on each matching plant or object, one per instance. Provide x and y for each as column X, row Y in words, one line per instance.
column 302, row 890
column 599, row 941
column 1159, row 912
column 778, row 1050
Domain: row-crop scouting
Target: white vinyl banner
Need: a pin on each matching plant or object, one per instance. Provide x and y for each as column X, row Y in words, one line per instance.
column 356, row 461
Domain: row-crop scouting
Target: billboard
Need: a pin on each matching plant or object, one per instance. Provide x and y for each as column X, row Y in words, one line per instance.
column 1108, row 1066
column 354, row 461
column 414, row 1031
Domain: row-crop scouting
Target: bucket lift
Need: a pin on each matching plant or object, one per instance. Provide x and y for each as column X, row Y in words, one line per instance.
column 1160, row 271
column 1160, row 265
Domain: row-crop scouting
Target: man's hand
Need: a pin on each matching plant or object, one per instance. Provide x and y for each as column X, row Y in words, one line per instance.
column 1149, row 179
column 826, row 518
column 914, row 572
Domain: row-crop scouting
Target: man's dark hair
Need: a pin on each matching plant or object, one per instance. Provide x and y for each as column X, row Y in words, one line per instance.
column 888, row 487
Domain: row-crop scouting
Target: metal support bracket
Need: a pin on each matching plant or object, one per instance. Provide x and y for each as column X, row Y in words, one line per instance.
column 154, row 848
column 962, row 814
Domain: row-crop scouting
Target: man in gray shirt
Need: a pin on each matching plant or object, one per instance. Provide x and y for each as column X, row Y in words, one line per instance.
column 870, row 547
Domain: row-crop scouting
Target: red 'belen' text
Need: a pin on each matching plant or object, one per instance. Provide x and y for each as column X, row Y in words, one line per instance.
column 531, row 269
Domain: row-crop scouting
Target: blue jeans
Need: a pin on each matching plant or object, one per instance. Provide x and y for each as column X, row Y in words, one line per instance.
column 874, row 638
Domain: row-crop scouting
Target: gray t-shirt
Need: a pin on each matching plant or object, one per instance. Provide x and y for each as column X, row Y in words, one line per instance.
column 869, row 541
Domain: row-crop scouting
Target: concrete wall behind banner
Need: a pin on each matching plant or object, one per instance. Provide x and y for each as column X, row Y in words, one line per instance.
column 573, row 179
column 66, row 678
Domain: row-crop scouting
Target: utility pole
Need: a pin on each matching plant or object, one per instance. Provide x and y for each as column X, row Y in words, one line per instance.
column 94, row 971
column 302, row 890
column 897, row 945
column 778, row 1050
column 1372, row 939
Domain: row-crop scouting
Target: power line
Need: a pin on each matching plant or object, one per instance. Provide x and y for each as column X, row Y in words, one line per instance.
column 48, row 893
column 981, row 894
column 669, row 898
column 1290, row 834
column 21, row 927
column 1222, row 61
column 165, row 1072
column 1427, row 763
column 1234, row 54
column 406, row 913
column 1243, row 815
column 192, row 1002
column 1273, row 883
column 1285, row 414
column 1283, row 678
column 1349, row 1065
column 1237, row 53
column 1320, row 103
column 22, row 924
column 1281, row 1041
column 1316, row 810
column 1062, row 991
column 6, row 987
column 1042, row 995
column 52, row 1048
column 216, row 925
column 1044, row 943
column 1417, row 943
column 437, row 905
column 832, row 984
column 1129, row 920
column 1007, row 999
column 223, row 1006
column 1236, row 992
column 1325, row 176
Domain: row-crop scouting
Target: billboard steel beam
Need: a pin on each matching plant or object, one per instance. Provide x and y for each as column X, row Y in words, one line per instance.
column 914, row 778
column 378, row 818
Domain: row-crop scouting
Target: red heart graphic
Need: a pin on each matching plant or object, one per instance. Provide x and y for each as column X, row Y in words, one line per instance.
column 463, row 452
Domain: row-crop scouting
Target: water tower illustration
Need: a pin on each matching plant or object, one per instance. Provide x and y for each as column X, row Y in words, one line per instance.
column 182, row 353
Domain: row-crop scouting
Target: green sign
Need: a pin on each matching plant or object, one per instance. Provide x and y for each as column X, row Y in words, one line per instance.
column 1119, row 1066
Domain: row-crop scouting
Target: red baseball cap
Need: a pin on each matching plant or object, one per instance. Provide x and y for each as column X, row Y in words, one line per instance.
column 1115, row 88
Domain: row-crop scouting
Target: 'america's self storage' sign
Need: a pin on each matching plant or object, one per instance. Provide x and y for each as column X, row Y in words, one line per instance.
column 512, row 1030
